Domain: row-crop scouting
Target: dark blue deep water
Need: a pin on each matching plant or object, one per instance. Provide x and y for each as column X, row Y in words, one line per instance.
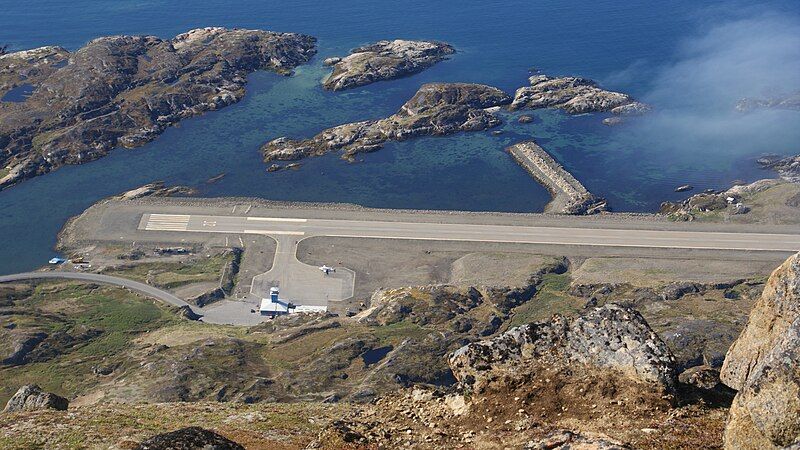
column 691, row 61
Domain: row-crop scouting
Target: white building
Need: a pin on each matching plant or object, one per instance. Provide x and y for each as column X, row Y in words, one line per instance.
column 276, row 306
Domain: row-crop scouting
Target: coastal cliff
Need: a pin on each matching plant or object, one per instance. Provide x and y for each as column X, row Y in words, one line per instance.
column 125, row 91
column 384, row 60
column 436, row 109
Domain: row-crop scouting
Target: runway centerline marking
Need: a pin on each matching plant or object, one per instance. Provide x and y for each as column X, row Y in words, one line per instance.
column 276, row 219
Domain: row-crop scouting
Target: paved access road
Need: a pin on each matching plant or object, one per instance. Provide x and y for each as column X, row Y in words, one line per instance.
column 299, row 228
column 141, row 288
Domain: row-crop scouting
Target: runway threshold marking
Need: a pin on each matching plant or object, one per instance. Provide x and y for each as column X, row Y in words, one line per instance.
column 276, row 219
column 167, row 222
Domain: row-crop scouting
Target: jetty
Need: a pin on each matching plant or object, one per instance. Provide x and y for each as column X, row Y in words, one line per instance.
column 569, row 195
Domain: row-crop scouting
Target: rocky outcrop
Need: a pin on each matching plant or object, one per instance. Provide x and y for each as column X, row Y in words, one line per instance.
column 32, row 398
column 436, row 109
column 384, row 60
column 730, row 200
column 610, row 338
column 126, row 90
column 763, row 366
column 156, row 189
column 772, row 316
column 574, row 95
column 788, row 168
column 189, row 438
column 21, row 346
column 789, row 101
column 569, row 195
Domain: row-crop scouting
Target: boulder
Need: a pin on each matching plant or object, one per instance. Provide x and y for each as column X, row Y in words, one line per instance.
column 189, row 438
column 771, row 317
column 567, row 440
column 611, row 337
column 764, row 365
column 703, row 377
column 32, row 398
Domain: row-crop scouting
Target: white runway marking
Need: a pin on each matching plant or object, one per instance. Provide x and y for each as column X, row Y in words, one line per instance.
column 277, row 219
column 167, row 222
column 290, row 233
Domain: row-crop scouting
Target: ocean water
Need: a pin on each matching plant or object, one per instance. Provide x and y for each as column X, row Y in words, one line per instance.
column 691, row 61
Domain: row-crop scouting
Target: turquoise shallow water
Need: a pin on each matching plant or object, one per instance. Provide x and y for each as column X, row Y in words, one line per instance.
column 690, row 61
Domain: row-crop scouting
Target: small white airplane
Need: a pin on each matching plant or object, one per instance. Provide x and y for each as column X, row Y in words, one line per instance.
column 327, row 269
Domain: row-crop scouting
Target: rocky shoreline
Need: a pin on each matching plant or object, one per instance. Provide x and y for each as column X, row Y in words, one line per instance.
column 569, row 195
column 384, row 60
column 125, row 91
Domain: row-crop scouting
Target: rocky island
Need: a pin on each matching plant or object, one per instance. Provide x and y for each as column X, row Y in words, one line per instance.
column 436, row 109
column 62, row 108
column 384, row 60
column 574, row 95
column 789, row 101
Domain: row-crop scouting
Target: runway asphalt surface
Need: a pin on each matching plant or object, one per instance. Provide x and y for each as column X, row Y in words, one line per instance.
column 300, row 228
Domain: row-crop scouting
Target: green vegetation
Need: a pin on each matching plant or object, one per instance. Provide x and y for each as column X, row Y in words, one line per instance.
column 263, row 425
column 86, row 326
column 551, row 298
column 171, row 275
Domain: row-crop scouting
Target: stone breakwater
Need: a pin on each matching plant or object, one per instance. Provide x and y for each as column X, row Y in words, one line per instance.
column 569, row 195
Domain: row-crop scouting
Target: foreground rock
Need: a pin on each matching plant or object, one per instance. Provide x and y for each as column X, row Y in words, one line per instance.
column 384, row 60
column 189, row 438
column 771, row 318
column 125, row 91
column 567, row 440
column 32, row 398
column 611, row 338
column 574, row 95
column 764, row 365
column 437, row 109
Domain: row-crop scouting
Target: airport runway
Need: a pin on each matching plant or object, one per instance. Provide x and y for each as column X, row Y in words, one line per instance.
column 300, row 228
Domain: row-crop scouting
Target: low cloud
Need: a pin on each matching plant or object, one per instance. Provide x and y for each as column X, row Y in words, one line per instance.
column 695, row 96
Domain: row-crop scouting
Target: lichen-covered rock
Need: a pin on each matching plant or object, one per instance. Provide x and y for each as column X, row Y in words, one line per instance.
column 574, row 95
column 772, row 315
column 703, row 377
column 612, row 337
column 32, row 398
column 189, row 438
column 384, row 60
column 764, row 365
column 126, row 90
column 567, row 440
column 436, row 109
